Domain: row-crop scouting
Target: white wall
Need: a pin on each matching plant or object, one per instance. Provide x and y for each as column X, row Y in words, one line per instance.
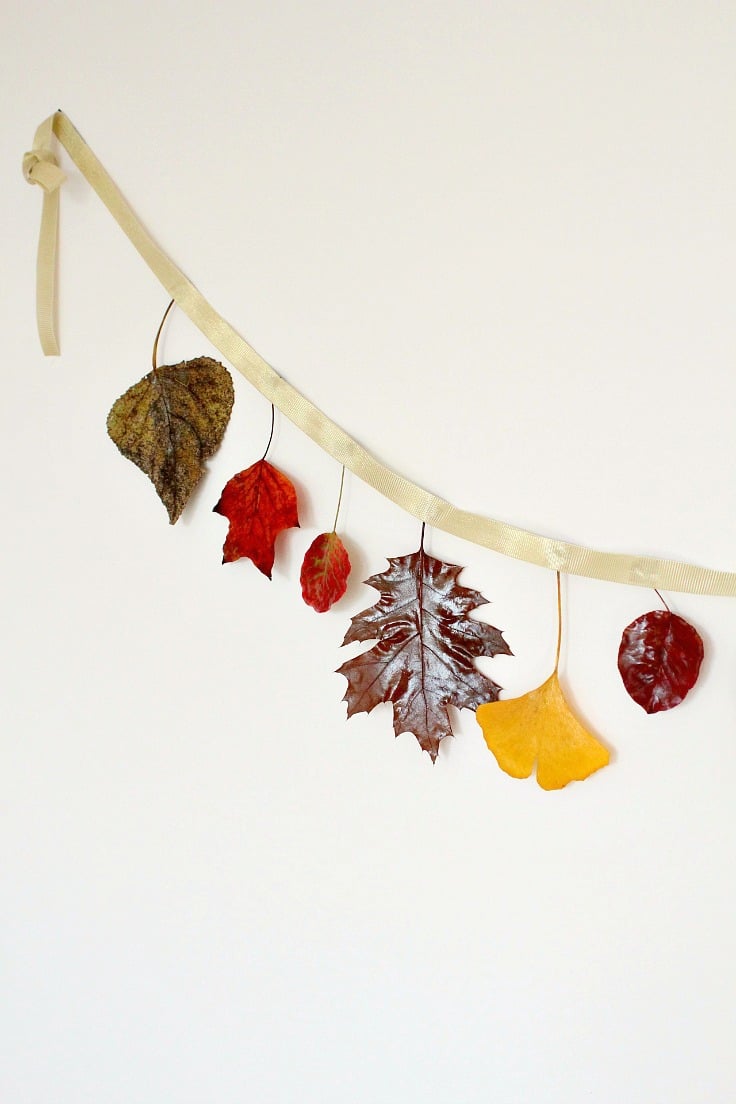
column 496, row 242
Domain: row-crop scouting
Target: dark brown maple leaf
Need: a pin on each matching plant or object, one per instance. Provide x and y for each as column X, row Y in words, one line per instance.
column 427, row 643
column 170, row 422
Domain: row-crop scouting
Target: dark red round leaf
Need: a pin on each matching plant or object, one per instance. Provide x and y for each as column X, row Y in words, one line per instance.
column 659, row 659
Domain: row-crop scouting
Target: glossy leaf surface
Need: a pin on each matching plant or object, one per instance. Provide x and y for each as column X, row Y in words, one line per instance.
column 259, row 503
column 541, row 728
column 427, row 643
column 170, row 422
column 325, row 571
column 659, row 659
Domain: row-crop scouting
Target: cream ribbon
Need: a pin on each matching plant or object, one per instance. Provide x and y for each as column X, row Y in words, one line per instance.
column 40, row 167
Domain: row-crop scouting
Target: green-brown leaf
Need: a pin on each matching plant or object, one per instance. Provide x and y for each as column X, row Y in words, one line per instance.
column 170, row 422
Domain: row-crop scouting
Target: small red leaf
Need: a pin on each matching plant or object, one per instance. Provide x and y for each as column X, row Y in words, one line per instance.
column 659, row 659
column 325, row 571
column 259, row 503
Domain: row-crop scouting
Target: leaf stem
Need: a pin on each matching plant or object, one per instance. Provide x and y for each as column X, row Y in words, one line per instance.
column 158, row 335
column 339, row 499
column 420, row 602
column 559, row 622
column 662, row 600
column 270, row 436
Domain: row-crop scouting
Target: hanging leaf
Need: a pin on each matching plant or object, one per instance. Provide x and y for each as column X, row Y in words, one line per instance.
column 427, row 643
column 325, row 571
column 659, row 659
column 540, row 727
column 259, row 503
column 170, row 422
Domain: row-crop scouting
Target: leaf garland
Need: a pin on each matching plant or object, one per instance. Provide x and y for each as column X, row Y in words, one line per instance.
column 427, row 643
column 423, row 660
column 171, row 421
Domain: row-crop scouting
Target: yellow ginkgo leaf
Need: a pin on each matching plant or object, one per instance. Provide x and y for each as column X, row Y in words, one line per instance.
column 540, row 727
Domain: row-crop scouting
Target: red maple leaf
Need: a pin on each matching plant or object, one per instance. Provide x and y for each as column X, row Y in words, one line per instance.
column 259, row 503
column 325, row 571
column 427, row 643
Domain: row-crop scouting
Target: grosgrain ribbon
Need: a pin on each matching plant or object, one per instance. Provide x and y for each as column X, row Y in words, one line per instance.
column 509, row 540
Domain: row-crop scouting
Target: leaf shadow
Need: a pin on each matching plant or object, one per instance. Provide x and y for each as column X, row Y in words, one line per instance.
column 196, row 501
column 447, row 744
column 706, row 666
column 359, row 572
column 290, row 544
column 580, row 715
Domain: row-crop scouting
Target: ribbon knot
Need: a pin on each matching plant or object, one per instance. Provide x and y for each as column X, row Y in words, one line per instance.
column 41, row 167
